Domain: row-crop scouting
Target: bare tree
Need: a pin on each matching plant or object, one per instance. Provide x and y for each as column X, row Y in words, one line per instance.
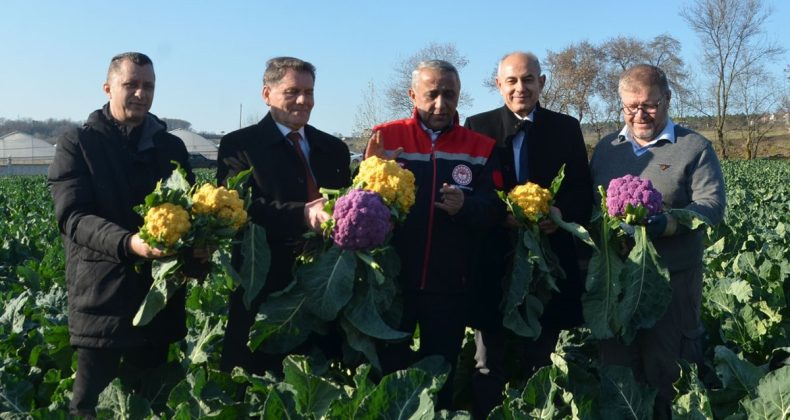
column 756, row 96
column 369, row 112
column 731, row 33
column 623, row 52
column 397, row 93
column 490, row 81
column 573, row 72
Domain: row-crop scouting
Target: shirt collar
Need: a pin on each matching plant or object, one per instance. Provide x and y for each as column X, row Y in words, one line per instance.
column 285, row 130
column 530, row 117
column 434, row 134
column 668, row 133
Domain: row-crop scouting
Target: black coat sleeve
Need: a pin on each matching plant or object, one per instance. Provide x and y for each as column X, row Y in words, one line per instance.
column 575, row 198
column 70, row 182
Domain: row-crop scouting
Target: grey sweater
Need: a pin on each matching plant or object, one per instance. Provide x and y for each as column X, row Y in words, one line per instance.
column 688, row 175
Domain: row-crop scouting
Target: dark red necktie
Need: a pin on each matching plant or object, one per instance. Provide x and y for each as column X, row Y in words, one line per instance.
column 312, row 188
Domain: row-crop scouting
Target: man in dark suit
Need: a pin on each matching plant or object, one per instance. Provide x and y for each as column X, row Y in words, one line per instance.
column 290, row 161
column 532, row 144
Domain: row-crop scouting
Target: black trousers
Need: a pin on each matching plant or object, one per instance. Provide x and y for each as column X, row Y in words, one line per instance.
column 97, row 367
column 442, row 318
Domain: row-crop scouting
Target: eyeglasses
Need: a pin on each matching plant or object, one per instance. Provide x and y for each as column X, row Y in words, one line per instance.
column 648, row 108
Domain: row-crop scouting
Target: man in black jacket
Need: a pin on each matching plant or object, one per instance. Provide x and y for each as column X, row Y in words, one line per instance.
column 532, row 144
column 99, row 173
column 290, row 161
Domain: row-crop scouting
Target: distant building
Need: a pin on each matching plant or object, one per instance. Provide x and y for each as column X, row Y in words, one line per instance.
column 196, row 143
column 24, row 149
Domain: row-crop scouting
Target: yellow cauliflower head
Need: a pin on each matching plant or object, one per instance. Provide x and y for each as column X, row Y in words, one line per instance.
column 220, row 202
column 167, row 223
column 388, row 179
column 532, row 199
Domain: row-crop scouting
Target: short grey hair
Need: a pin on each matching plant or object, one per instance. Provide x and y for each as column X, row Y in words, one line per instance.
column 278, row 66
column 137, row 58
column 532, row 59
column 646, row 75
column 440, row 65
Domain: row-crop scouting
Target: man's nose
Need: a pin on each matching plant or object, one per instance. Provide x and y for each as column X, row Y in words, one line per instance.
column 439, row 104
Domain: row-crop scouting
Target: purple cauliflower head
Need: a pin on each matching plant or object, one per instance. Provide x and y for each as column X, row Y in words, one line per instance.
column 362, row 220
column 645, row 200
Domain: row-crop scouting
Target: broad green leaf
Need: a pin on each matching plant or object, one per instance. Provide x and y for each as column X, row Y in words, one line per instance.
column 256, row 262
column 166, row 284
column 114, row 402
column 346, row 406
column 211, row 331
column 177, row 181
column 328, row 282
column 279, row 406
column 363, row 313
column 360, row 342
column 599, row 303
column 516, row 292
column 556, row 183
column 513, row 407
column 540, row 395
column 691, row 401
column 14, row 315
column 773, row 396
column 646, row 293
column 236, row 182
column 689, row 218
column 574, row 229
column 281, row 322
column 735, row 373
column 314, row 394
column 403, row 395
column 622, row 397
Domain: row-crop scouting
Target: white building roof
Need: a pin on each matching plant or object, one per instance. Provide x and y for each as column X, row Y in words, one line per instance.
column 196, row 143
column 18, row 145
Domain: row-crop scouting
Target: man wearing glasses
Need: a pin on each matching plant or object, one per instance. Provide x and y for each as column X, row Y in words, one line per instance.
column 683, row 166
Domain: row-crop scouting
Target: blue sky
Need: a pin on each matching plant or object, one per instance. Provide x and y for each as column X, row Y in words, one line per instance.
column 209, row 55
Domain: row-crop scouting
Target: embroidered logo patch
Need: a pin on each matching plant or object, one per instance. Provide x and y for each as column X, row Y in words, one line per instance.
column 462, row 175
column 664, row 166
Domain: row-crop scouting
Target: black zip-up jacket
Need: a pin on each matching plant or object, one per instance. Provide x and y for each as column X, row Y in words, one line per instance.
column 99, row 173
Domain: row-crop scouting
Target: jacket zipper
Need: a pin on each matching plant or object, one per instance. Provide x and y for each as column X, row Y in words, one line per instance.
column 427, row 255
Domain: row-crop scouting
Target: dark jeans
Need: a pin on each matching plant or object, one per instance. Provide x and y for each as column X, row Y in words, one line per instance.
column 442, row 318
column 97, row 367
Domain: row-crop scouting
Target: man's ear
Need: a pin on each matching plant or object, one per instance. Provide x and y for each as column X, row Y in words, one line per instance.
column 412, row 96
column 106, row 88
column 265, row 92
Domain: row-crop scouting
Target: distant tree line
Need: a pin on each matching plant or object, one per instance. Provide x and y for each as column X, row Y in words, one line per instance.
column 54, row 128
column 47, row 129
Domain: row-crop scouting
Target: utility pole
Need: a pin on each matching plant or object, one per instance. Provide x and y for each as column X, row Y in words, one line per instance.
column 239, row 115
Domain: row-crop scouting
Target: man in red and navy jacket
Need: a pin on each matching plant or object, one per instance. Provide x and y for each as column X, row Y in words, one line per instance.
column 455, row 203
